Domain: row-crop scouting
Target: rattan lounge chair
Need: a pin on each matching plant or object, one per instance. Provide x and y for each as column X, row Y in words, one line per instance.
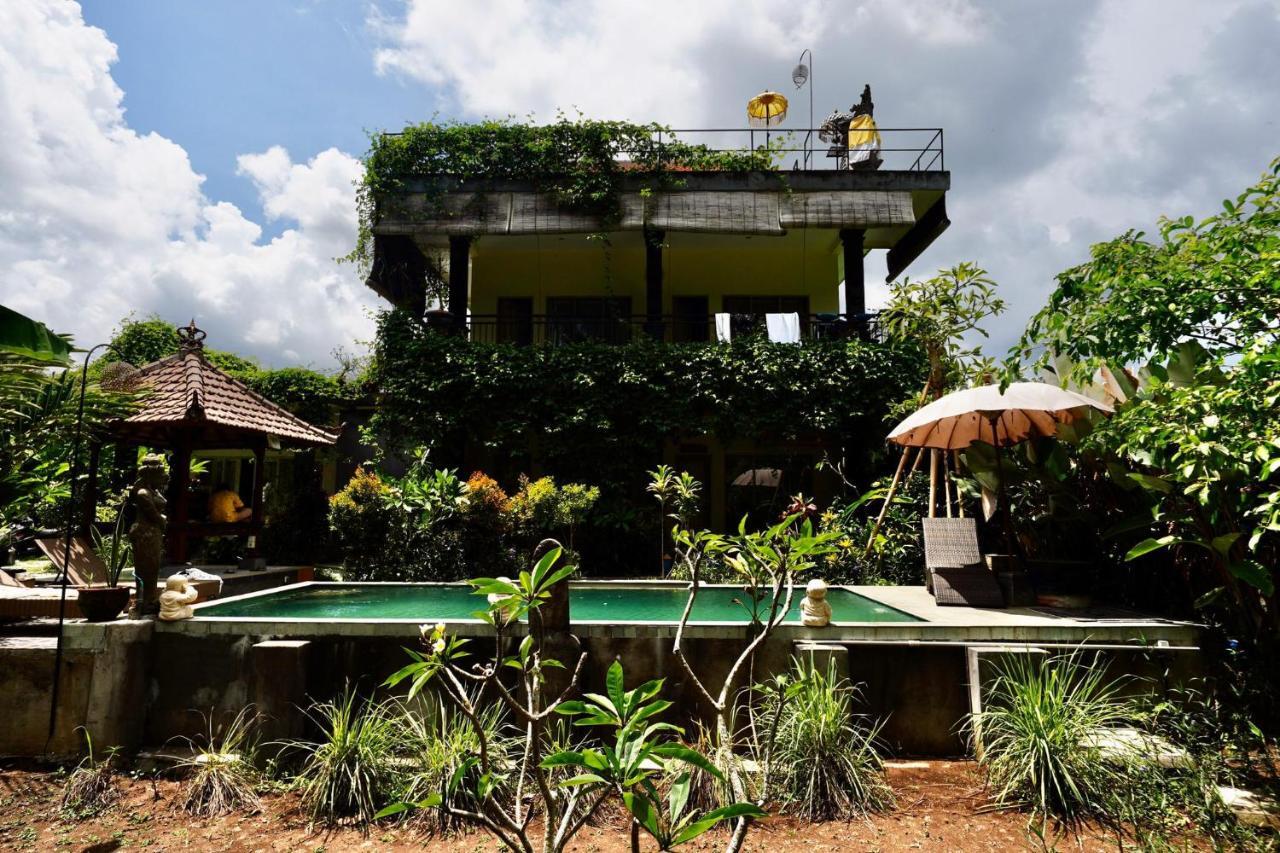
column 953, row 563
column 85, row 568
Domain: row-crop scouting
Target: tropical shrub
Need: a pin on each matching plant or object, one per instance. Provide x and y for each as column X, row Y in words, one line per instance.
column 1038, row 731
column 350, row 771
column 896, row 555
column 563, row 783
column 826, row 757
column 221, row 775
column 93, row 785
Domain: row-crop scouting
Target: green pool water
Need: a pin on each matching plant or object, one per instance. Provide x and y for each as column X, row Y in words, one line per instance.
column 587, row 604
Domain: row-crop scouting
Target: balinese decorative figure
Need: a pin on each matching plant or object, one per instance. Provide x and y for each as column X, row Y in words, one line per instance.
column 815, row 611
column 176, row 600
column 147, row 532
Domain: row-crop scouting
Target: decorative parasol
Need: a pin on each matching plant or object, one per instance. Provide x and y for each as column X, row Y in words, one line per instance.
column 1022, row 411
column 766, row 110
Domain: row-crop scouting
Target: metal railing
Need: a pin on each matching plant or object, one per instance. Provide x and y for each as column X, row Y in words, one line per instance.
column 557, row 330
column 908, row 149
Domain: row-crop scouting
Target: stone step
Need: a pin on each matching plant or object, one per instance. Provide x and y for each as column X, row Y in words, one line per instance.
column 1250, row 807
column 1129, row 744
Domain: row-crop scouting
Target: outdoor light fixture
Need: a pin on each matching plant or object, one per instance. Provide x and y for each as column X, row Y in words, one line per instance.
column 800, row 75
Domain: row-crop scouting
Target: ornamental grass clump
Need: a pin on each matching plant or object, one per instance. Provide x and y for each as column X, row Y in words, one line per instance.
column 222, row 778
column 1038, row 731
column 91, row 788
column 826, row 757
column 350, row 773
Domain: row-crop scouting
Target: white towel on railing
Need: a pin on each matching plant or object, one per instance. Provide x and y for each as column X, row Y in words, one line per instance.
column 723, row 328
column 783, row 328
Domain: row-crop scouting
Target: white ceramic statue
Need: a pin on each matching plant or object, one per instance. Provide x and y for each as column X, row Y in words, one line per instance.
column 177, row 598
column 815, row 611
column 495, row 598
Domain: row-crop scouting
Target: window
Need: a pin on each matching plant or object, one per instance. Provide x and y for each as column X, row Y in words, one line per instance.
column 515, row 320
column 690, row 320
column 588, row 318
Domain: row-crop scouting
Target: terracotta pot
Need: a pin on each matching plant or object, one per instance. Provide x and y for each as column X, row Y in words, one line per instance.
column 102, row 603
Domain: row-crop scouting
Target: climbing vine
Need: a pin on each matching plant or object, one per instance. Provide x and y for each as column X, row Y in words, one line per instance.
column 581, row 163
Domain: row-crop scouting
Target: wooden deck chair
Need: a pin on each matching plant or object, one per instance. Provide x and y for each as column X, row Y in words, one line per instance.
column 953, row 564
column 7, row 579
column 85, row 567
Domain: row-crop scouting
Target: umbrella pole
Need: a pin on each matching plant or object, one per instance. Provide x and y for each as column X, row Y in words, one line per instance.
column 1004, row 492
column 933, row 483
column 955, row 463
column 888, row 499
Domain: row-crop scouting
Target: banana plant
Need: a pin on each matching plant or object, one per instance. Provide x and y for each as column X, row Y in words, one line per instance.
column 643, row 753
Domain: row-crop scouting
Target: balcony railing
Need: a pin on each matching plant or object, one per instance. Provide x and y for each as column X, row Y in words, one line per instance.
column 543, row 329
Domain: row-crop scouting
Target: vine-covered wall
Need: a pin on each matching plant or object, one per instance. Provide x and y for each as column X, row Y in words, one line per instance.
column 600, row 413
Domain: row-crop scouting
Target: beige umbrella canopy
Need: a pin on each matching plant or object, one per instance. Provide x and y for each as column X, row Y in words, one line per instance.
column 1024, row 410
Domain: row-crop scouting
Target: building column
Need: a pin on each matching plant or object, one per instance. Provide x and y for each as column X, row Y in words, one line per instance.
column 459, row 279
column 855, row 293
column 653, row 283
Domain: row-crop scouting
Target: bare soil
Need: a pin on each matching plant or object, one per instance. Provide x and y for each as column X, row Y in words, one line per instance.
column 941, row 806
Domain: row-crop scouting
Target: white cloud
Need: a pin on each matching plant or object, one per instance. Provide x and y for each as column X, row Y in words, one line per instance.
column 1066, row 123
column 97, row 221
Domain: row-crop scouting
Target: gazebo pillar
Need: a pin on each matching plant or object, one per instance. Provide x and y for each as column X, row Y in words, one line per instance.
column 253, row 558
column 653, row 282
column 853, row 243
column 179, row 502
column 459, row 279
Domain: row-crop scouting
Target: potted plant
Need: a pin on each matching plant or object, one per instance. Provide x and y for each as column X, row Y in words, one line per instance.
column 104, row 603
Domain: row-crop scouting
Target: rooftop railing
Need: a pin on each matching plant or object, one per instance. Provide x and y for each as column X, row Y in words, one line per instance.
column 908, row 149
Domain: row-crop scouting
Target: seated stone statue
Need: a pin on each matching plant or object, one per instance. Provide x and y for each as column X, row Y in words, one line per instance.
column 177, row 598
column 815, row 611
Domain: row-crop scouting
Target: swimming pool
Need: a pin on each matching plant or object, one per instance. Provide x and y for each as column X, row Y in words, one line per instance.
column 591, row 603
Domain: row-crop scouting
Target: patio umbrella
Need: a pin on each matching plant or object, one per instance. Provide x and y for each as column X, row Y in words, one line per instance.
column 771, row 477
column 766, row 109
column 1022, row 411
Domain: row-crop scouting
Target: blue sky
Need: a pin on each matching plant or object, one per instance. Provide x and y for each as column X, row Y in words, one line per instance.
column 222, row 78
column 197, row 159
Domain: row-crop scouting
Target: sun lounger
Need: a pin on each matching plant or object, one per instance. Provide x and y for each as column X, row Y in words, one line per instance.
column 953, row 564
column 85, row 567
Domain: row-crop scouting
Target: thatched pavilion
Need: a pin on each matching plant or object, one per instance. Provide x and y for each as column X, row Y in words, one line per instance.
column 192, row 405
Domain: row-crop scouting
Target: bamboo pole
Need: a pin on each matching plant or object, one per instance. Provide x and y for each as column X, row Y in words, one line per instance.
column 947, row 483
column 888, row 498
column 955, row 462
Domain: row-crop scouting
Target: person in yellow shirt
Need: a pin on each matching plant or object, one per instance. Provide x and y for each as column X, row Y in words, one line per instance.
column 225, row 506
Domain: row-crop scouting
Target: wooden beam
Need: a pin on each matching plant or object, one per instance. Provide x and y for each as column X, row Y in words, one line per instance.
column 253, row 555
column 853, row 240
column 927, row 229
column 653, row 241
column 179, row 502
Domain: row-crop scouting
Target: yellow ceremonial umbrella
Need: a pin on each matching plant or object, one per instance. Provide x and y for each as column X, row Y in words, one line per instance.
column 766, row 109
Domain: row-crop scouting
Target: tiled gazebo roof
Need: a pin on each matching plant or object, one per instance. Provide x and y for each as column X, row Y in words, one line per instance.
column 188, row 392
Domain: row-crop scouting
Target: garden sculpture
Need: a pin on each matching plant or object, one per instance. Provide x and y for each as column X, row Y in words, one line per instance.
column 147, row 532
column 177, row 598
column 494, row 598
column 815, row 612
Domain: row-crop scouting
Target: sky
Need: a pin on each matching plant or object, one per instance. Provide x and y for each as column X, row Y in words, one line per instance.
column 198, row 160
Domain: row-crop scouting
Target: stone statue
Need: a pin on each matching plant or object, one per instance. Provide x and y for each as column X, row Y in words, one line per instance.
column 176, row 600
column 147, row 532
column 815, row 612
column 497, row 599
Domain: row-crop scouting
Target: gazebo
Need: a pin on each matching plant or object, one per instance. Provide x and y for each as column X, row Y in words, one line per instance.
column 192, row 405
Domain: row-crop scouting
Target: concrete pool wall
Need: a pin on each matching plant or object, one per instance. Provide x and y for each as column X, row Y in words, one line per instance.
column 142, row 683
column 914, row 674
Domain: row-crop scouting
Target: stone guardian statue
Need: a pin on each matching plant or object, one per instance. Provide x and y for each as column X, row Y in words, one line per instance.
column 147, row 532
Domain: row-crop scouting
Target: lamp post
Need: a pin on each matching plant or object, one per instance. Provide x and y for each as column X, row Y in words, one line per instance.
column 66, row 547
column 800, row 75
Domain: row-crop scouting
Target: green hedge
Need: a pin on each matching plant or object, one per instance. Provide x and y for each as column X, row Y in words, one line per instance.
column 599, row 413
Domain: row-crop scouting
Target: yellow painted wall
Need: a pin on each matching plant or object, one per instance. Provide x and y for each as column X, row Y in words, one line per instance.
column 801, row 262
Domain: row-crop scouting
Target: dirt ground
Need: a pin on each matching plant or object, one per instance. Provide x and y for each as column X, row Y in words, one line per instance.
column 941, row 806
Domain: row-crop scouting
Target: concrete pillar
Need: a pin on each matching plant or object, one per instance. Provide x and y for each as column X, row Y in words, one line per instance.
column 855, row 292
column 278, row 686
column 459, row 278
column 653, row 283
column 824, row 655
